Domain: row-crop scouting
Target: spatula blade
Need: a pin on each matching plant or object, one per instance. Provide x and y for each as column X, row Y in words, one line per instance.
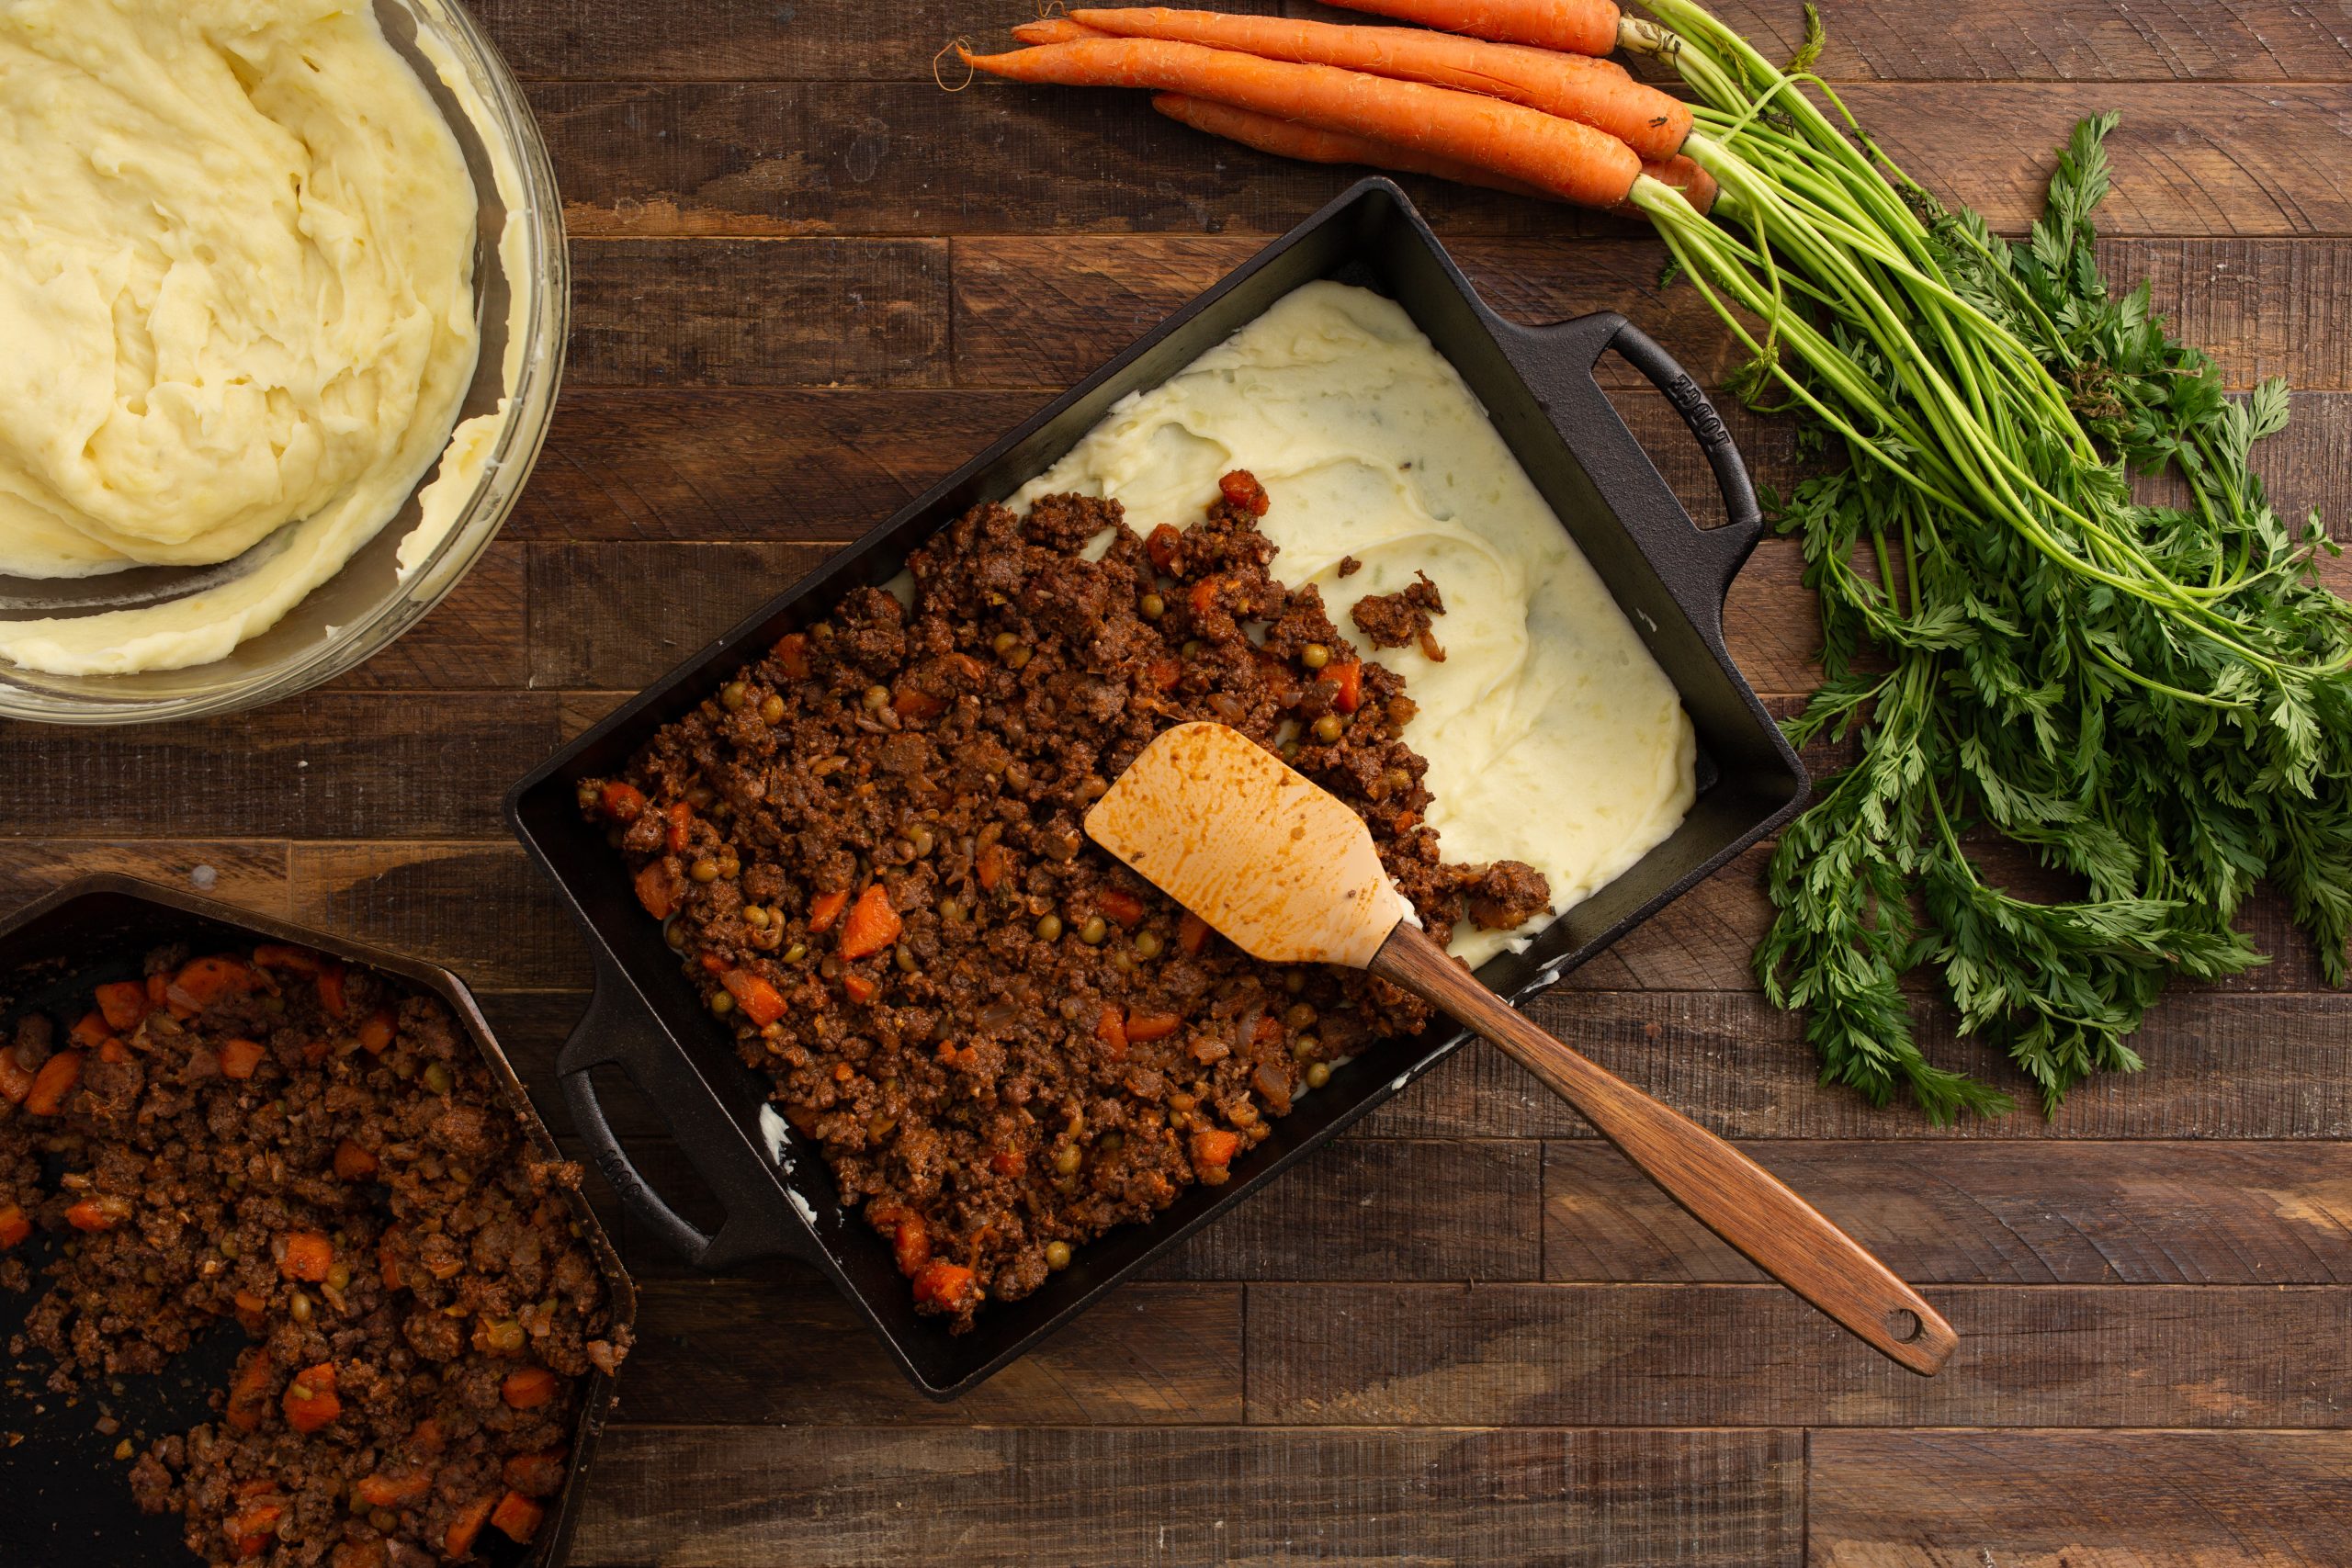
column 1221, row 825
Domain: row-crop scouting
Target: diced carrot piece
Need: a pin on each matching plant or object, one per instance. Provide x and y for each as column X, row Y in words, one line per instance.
column 281, row 955
column 529, row 1388
column 1161, row 545
column 682, row 821
column 238, row 1059
column 713, row 965
column 14, row 1225
column 1242, row 491
column 156, row 986
column 353, row 1163
column 250, row 1305
column 859, row 990
column 310, row 1399
column 517, row 1517
column 387, row 1257
column 660, row 887
column 1110, row 1028
column 1122, row 907
column 535, row 1475
column 91, row 1032
column 873, row 925
column 910, row 1238
column 206, row 980
column 947, row 1286
column 253, row 1527
column 1349, row 679
column 909, row 702
column 1143, row 1027
column 393, row 1489
column 1008, row 1162
column 15, row 1079
column 824, row 909
column 100, row 1211
column 792, row 654
column 309, row 1255
column 988, row 866
column 1213, row 1150
column 1268, row 1030
column 621, row 802
column 1164, row 673
column 53, row 1083
column 113, row 1051
column 249, row 1391
column 376, row 1032
column 754, row 998
column 331, row 994
column 425, row 1437
column 1202, row 596
column 1192, row 934
column 123, row 1004
column 458, row 1541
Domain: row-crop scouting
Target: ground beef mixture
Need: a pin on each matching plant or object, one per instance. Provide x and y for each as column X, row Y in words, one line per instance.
column 868, row 849
column 309, row 1150
column 1392, row 620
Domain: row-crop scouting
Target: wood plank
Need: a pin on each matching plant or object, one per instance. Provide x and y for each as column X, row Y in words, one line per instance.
column 2219, row 1066
column 2071, row 1213
column 326, row 764
column 477, row 908
column 1045, row 311
column 251, row 876
column 665, row 159
column 786, row 1350
column 473, row 639
column 747, row 41
column 794, row 313
column 700, row 1499
column 2080, row 1499
column 749, row 463
column 1754, row 1355
column 617, row 615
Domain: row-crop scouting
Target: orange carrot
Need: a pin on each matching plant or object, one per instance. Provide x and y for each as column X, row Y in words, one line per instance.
column 1110, row 1028
column 1573, row 86
column 354, row 1163
column 14, row 1226
column 99, row 1213
column 760, row 1002
column 240, row 1057
column 1286, row 139
column 1146, row 1027
column 309, row 1255
column 123, row 1003
column 945, row 1285
column 16, row 1082
column 310, row 1399
column 1579, row 27
column 249, row 1391
column 824, row 909
column 1573, row 162
column 534, row 1475
column 528, row 1389
column 1122, row 906
column 458, row 1540
column 872, row 926
column 1213, row 1150
column 377, row 1030
column 1192, row 935
column 391, row 1490
column 517, row 1517
column 91, row 1032
column 53, row 1083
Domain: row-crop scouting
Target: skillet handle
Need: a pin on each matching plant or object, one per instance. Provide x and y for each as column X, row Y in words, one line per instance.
column 1703, row 560
column 620, row 1031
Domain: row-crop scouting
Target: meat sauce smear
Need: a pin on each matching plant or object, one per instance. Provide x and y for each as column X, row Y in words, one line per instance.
column 868, row 849
column 310, row 1150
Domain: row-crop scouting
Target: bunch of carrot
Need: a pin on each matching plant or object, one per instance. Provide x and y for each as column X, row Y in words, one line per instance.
column 1505, row 108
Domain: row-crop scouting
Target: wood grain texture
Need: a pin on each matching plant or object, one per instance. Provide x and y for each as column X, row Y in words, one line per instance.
column 2098, row 41
column 2080, row 1500
column 478, row 909
column 2204, row 1356
column 617, row 616
column 1744, row 1205
column 251, row 876
column 663, row 159
column 884, row 1497
column 786, row 1351
column 1991, row 1212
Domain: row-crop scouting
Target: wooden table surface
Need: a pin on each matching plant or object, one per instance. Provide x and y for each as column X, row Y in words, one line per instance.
column 808, row 282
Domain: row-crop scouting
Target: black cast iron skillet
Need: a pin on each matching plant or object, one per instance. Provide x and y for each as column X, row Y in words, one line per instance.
column 1538, row 388
column 69, row 1501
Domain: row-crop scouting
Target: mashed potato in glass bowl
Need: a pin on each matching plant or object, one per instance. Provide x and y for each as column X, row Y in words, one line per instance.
column 285, row 290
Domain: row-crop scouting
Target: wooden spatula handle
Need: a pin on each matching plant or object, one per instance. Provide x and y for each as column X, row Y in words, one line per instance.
column 1722, row 1189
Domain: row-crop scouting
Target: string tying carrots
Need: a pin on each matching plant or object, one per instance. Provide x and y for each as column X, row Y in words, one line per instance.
column 959, row 45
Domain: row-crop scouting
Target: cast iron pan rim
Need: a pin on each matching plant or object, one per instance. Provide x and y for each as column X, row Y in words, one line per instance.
column 554, row 1544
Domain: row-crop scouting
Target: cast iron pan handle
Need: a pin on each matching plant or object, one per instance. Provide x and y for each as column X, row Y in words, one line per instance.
column 1703, row 560
column 620, row 1031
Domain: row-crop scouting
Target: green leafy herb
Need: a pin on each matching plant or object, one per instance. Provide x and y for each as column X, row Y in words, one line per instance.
column 2148, row 698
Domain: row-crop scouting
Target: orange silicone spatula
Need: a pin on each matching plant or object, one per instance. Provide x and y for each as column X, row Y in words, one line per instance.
column 1289, row 874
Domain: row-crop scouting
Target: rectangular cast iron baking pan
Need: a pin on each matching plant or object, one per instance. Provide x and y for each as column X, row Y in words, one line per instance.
column 1538, row 386
column 70, row 1497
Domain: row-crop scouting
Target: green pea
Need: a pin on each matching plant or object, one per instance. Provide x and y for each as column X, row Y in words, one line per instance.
column 771, row 710
column 1149, row 945
column 1092, row 932
column 1058, row 1255
column 733, row 695
column 1327, row 728
column 437, row 1078
column 722, row 1003
column 1314, row 656
column 1065, row 1159
column 1153, row 606
column 876, row 698
column 1049, row 928
column 1317, row 1074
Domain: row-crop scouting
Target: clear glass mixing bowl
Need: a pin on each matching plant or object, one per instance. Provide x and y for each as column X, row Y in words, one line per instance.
column 366, row 606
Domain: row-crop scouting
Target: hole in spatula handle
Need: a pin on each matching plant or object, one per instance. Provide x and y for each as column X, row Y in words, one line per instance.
column 1903, row 1325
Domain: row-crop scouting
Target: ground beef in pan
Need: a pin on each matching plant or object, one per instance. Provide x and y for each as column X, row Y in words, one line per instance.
column 315, row 1153
column 1392, row 620
column 868, row 849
